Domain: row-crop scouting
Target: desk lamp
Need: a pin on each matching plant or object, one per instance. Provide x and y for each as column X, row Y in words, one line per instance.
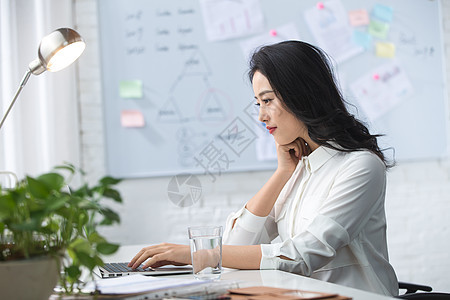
column 57, row 50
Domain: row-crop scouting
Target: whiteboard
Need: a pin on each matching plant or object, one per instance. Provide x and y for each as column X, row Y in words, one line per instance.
column 176, row 101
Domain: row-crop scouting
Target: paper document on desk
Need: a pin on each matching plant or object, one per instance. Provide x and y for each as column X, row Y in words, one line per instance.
column 135, row 284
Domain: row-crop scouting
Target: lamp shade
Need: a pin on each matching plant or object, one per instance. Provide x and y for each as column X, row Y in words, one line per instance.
column 58, row 50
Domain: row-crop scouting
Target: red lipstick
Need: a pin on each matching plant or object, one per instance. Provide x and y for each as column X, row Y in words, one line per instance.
column 271, row 129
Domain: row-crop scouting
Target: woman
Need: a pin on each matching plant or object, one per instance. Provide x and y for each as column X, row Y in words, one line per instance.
column 325, row 201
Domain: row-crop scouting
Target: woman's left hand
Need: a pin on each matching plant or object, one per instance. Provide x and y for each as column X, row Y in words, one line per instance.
column 162, row 254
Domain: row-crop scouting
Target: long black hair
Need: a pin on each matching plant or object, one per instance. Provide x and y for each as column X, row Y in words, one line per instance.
column 302, row 77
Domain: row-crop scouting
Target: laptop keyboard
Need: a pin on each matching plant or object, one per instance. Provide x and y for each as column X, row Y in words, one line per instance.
column 123, row 267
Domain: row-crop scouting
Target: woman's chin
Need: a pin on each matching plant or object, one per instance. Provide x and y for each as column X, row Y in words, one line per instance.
column 283, row 141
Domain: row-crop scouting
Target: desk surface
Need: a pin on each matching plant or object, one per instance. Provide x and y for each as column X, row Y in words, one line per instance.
column 273, row 278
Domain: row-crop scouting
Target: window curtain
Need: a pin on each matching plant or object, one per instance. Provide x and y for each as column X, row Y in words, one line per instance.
column 42, row 128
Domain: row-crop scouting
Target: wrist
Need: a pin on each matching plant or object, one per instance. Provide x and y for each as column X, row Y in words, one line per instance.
column 284, row 173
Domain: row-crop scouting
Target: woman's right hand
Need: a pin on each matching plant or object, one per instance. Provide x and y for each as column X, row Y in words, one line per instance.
column 162, row 254
column 290, row 154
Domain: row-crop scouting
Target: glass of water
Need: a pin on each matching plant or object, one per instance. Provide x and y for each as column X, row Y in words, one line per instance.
column 206, row 251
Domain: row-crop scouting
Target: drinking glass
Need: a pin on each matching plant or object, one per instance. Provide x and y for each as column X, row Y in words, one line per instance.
column 206, row 251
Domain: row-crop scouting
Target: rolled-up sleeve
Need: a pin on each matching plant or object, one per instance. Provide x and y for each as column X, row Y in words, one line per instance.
column 245, row 228
column 307, row 251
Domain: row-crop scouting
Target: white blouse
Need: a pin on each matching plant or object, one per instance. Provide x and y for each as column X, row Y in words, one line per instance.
column 331, row 221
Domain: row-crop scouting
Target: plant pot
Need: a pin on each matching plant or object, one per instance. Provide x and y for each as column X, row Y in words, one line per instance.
column 29, row 278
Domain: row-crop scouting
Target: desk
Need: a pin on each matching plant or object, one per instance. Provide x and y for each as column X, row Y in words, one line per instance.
column 273, row 278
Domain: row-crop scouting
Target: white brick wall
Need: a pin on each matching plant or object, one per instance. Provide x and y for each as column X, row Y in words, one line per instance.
column 417, row 204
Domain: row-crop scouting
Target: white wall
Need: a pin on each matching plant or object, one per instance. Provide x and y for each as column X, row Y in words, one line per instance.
column 42, row 129
column 417, row 204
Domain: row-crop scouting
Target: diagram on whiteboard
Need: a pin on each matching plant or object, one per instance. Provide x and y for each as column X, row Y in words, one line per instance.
column 213, row 105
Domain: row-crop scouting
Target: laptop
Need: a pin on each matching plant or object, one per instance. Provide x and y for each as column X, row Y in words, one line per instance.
column 111, row 270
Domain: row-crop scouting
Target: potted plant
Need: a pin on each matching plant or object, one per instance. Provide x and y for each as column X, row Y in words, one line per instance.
column 48, row 230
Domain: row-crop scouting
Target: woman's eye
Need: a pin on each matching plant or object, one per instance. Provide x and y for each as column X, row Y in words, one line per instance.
column 265, row 101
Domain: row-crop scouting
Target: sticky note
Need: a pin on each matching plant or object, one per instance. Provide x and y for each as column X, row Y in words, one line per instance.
column 362, row 38
column 359, row 17
column 132, row 118
column 130, row 89
column 378, row 29
column 383, row 49
column 382, row 13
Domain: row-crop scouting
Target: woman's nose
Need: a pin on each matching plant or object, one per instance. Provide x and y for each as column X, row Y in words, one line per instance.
column 262, row 116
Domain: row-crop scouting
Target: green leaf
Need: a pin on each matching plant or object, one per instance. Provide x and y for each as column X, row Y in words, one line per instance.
column 106, row 181
column 46, row 230
column 107, row 248
column 110, row 216
column 88, row 205
column 74, row 272
column 96, row 238
column 56, row 203
column 72, row 255
column 53, row 181
column 82, row 219
column 7, row 205
column 112, row 194
column 37, row 188
column 106, row 222
column 98, row 261
column 86, row 260
column 64, row 212
column 69, row 167
column 80, row 245
column 7, row 202
column 50, row 228
column 31, row 225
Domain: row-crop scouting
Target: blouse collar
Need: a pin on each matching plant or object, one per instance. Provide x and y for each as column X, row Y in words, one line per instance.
column 318, row 158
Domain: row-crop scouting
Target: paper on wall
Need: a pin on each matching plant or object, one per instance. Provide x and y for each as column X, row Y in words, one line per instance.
column 225, row 19
column 358, row 17
column 383, row 13
column 275, row 35
column 381, row 89
column 379, row 29
column 330, row 27
column 132, row 118
column 385, row 49
column 131, row 89
column 362, row 38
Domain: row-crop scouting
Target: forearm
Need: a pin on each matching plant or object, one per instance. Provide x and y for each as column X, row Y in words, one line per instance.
column 261, row 204
column 241, row 257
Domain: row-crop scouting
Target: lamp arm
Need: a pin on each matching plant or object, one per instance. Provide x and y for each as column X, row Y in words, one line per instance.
column 22, row 84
